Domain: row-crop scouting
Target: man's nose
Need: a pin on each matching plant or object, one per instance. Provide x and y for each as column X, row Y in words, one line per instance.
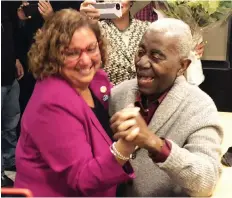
column 144, row 62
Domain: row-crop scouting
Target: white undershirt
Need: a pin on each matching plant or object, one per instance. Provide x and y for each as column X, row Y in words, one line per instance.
column 160, row 14
column 126, row 38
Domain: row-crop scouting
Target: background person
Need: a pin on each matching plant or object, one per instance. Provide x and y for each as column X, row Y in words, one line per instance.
column 123, row 35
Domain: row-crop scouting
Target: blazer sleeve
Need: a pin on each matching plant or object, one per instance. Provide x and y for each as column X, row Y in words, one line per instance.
column 55, row 134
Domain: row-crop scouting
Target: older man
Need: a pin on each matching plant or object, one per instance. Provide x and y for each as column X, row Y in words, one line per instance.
column 177, row 131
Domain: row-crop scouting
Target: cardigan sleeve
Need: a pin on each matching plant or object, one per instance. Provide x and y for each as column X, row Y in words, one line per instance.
column 196, row 166
column 55, row 135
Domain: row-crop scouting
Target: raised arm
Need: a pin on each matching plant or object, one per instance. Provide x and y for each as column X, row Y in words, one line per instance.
column 89, row 10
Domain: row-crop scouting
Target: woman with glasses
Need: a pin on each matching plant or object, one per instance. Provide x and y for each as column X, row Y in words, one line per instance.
column 123, row 35
column 65, row 147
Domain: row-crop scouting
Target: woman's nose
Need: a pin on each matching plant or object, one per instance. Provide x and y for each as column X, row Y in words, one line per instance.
column 85, row 59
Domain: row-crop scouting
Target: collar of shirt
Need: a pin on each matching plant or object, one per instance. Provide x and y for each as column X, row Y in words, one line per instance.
column 159, row 100
column 152, row 107
column 159, row 13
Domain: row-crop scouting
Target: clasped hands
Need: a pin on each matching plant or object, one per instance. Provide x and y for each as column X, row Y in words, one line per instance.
column 129, row 125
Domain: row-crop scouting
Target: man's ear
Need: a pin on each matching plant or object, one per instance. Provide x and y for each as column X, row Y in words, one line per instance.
column 184, row 65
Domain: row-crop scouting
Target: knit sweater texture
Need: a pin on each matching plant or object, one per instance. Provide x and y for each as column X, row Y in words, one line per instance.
column 188, row 118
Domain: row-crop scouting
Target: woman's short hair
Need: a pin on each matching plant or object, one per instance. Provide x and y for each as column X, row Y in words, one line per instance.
column 46, row 54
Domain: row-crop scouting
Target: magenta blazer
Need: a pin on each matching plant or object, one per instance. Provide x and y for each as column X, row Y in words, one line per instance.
column 63, row 149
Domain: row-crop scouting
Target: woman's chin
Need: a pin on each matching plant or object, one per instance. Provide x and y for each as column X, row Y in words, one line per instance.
column 84, row 81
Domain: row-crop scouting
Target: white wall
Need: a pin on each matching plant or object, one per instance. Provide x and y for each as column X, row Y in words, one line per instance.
column 216, row 47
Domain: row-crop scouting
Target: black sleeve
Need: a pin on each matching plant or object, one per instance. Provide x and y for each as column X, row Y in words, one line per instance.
column 58, row 5
column 12, row 9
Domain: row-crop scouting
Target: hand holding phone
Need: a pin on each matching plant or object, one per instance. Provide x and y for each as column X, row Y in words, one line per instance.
column 88, row 8
column 109, row 10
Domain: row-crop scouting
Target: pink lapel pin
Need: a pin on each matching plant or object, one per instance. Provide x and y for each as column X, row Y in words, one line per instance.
column 103, row 89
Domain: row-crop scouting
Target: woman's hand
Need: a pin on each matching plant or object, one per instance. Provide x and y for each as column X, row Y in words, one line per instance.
column 128, row 124
column 45, row 9
column 89, row 10
column 125, row 148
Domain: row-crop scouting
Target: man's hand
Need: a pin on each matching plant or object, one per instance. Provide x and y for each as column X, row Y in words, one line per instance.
column 128, row 124
column 45, row 9
column 19, row 68
column 89, row 10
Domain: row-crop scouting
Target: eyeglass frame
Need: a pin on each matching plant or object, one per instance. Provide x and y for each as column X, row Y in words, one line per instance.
column 89, row 53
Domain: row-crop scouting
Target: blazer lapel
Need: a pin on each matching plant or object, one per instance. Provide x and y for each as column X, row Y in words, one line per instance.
column 169, row 105
column 101, row 90
column 98, row 126
column 95, row 121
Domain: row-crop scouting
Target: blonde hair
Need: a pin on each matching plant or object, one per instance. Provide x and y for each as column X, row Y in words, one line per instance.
column 46, row 54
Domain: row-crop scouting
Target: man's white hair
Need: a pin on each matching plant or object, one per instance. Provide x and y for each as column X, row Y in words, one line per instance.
column 178, row 29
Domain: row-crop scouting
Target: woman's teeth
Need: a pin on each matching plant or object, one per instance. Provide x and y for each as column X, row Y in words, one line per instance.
column 85, row 71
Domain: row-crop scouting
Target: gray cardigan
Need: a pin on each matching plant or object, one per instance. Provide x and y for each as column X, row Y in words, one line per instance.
column 189, row 119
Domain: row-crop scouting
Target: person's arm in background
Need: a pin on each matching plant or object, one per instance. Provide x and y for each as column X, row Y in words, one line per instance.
column 21, row 15
column 45, row 9
column 12, row 9
column 199, row 49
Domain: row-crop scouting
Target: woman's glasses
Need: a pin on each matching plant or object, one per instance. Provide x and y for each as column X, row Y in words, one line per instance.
column 75, row 54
